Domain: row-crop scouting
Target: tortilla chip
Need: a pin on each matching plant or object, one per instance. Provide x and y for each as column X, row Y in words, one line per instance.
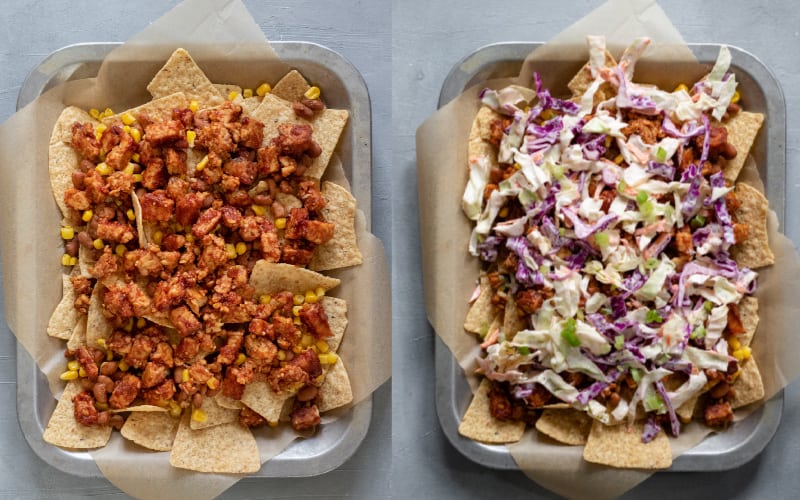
column 289, row 201
column 512, row 322
column 215, row 415
column 748, row 385
column 140, row 408
column 226, row 402
column 686, row 410
column 63, row 160
column 156, row 110
column 65, row 317
column 742, row 128
column 565, row 426
column 341, row 250
column 96, row 325
column 85, row 261
column 259, row 397
column 249, row 104
column 336, row 311
column 748, row 314
column 583, row 78
column 481, row 312
column 754, row 251
column 137, row 211
column 335, row 390
column 182, row 74
column 78, row 337
column 620, row 446
column 227, row 448
column 226, row 88
column 154, row 431
column 291, row 87
column 62, row 429
column 270, row 277
column 479, row 424
column 62, row 131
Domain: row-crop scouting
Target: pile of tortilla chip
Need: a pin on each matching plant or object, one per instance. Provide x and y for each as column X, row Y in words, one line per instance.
column 619, row 445
column 217, row 442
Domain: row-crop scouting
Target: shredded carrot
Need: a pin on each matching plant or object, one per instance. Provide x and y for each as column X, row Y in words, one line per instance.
column 491, row 338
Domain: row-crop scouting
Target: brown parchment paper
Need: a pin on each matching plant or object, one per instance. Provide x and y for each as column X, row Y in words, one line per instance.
column 230, row 47
column 450, row 273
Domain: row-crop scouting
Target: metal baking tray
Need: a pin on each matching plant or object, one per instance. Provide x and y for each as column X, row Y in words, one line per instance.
column 344, row 88
column 745, row 439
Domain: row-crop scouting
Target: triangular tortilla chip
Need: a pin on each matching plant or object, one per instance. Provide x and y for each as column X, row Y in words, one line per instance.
column 65, row 316
column 291, row 87
column 742, row 128
column 182, row 74
column 748, row 386
column 63, row 160
column 227, row 448
column 481, row 312
column 215, row 415
column 748, row 314
column 78, row 337
column 62, row 429
column 62, row 131
column 226, row 402
column 583, row 78
column 85, row 261
column 270, row 277
column 479, row 424
column 96, row 325
column 754, row 251
column 567, row 426
column 226, row 88
column 620, row 446
column 259, row 397
column 156, row 110
column 336, row 311
column 512, row 322
column 152, row 430
column 342, row 249
column 335, row 390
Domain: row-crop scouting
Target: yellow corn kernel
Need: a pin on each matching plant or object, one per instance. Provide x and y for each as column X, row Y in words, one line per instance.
column 296, row 320
column 241, row 358
column 73, row 261
column 191, row 135
column 107, row 112
column 296, row 310
column 104, row 168
column 101, row 343
column 680, row 87
column 272, row 424
column 94, row 113
column 128, row 327
column 319, row 292
column 127, row 129
column 263, row 89
column 130, row 214
column 69, row 375
column 281, row 355
column 129, row 168
column 231, row 250
column 73, row 365
column 322, row 346
column 298, row 299
column 198, row 415
column 101, row 406
column 140, row 323
column 194, row 106
column 123, row 366
column 98, row 244
column 306, row 340
column 503, row 212
column 297, row 349
column 185, row 375
column 734, row 343
column 202, row 163
column 135, row 157
column 736, row 97
column 67, row 232
column 259, row 210
column 109, row 356
column 547, row 114
column 241, row 248
column 174, row 409
column 157, row 237
column 246, row 93
column 128, row 118
column 137, row 177
column 233, row 95
column 742, row 353
column 136, row 134
column 311, row 297
column 189, row 236
column 65, row 260
column 264, row 299
column 280, row 222
column 618, row 159
column 328, row 358
column 212, row 383
column 99, row 129
column 120, row 250
column 312, row 93
column 87, row 215
column 81, row 372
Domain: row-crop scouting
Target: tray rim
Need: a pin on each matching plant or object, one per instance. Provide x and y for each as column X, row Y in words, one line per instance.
column 352, row 427
column 449, row 374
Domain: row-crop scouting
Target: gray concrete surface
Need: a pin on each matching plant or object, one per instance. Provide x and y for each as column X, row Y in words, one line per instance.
column 429, row 37
column 359, row 30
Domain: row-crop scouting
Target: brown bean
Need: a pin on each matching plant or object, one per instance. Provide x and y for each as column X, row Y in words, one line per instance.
column 107, row 382
column 278, row 210
column 197, row 400
column 86, row 384
column 116, row 421
column 212, row 392
column 77, row 179
column 178, row 375
column 262, row 199
column 103, row 417
column 307, row 393
column 71, row 247
column 84, row 239
column 99, row 355
column 108, row 367
column 99, row 391
column 315, row 150
column 720, row 390
column 182, row 398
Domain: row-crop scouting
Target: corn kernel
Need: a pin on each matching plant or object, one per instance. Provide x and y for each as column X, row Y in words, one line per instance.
column 104, row 168
column 618, row 159
column 241, row 248
column 130, row 214
column 547, row 114
column 230, row 249
column 189, row 237
column 65, row 259
column 328, row 358
column 736, row 97
column 263, row 89
column 319, row 292
column 128, row 327
column 67, row 232
column 101, row 406
column 312, row 93
column 198, row 415
column 140, row 323
column 280, row 222
column 296, row 320
column 272, row 424
column 322, row 346
column 191, row 135
column 127, row 129
column 81, row 372
column 136, row 134
column 246, row 93
column 87, row 215
column 297, row 349
column 746, row 352
column 264, row 299
column 311, row 297
column 135, row 157
column 233, row 95
column 680, row 87
column 298, row 299
column 99, row 129
column 212, row 383
column 129, row 168
column 157, row 237
column 259, row 210
column 107, row 112
column 98, row 244
column 185, row 375
column 306, row 340
column 94, row 113
column 101, row 343
column 120, row 250
column 137, row 177
column 123, row 366
column 296, row 310
column 734, row 343
column 73, row 261
column 128, row 118
column 281, row 355
column 503, row 212
column 73, row 365
column 194, row 106
column 241, row 358
column 69, row 375
column 174, row 409
column 202, row 163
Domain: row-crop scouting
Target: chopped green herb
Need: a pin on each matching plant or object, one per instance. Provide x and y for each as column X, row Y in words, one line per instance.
column 653, row 316
column 622, row 186
column 636, row 375
column 654, row 402
column 524, row 350
column 698, row 333
column 619, row 342
column 484, row 330
column 557, row 171
column 568, row 333
column 579, row 315
column 708, row 305
column 647, row 209
column 601, row 239
column 698, row 221
column 651, row 263
column 661, row 154
column 641, row 197
column 561, row 231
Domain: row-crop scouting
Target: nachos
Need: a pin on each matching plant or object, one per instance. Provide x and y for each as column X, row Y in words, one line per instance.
column 195, row 226
column 618, row 254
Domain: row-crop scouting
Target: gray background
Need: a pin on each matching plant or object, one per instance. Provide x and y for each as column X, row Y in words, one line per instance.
column 29, row 31
column 429, row 38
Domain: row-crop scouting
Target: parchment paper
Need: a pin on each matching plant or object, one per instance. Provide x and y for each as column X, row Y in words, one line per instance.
column 450, row 273
column 230, row 47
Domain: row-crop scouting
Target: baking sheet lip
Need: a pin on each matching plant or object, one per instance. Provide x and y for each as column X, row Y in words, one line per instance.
column 496, row 456
column 346, row 443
